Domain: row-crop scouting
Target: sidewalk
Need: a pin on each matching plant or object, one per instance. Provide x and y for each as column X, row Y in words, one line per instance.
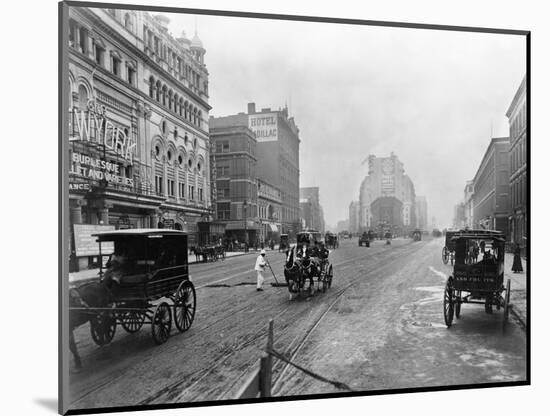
column 518, row 287
column 91, row 274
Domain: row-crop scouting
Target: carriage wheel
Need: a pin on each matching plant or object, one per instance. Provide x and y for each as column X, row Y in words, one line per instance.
column 506, row 305
column 445, row 255
column 329, row 276
column 448, row 304
column 103, row 328
column 185, row 304
column 458, row 298
column 161, row 323
column 132, row 321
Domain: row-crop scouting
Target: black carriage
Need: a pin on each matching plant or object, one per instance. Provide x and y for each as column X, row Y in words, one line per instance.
column 148, row 280
column 364, row 239
column 417, row 235
column 448, row 251
column 283, row 242
column 308, row 268
column 477, row 280
column 331, row 240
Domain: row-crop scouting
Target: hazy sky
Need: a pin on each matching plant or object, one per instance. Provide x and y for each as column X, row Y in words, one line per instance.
column 432, row 97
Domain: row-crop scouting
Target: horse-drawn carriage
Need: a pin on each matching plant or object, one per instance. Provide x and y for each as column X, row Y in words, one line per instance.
column 331, row 240
column 307, row 267
column 146, row 281
column 283, row 242
column 480, row 282
column 364, row 239
column 448, row 251
column 209, row 253
column 417, row 235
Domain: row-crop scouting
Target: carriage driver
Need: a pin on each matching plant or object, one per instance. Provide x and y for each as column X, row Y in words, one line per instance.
column 260, row 267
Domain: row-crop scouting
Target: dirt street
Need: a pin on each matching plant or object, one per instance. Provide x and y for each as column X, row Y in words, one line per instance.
column 380, row 326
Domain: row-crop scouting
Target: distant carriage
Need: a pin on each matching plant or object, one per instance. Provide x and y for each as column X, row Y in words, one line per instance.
column 417, row 235
column 364, row 239
column 448, row 251
column 283, row 242
column 331, row 240
column 480, row 282
column 146, row 282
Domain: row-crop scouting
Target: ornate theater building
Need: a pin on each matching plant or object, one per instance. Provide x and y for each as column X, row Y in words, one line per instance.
column 138, row 127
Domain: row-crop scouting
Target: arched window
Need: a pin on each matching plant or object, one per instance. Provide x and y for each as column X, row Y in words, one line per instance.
column 128, row 21
column 158, row 91
column 82, row 97
column 186, row 108
column 176, row 102
column 151, row 86
column 181, row 107
column 164, row 94
column 199, row 118
column 194, row 116
column 170, row 99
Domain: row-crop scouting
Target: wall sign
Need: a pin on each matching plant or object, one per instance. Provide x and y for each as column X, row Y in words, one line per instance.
column 86, row 245
column 264, row 125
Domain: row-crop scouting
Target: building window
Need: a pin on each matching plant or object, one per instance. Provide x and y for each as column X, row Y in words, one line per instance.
column 222, row 147
column 83, row 40
column 72, row 33
column 200, row 194
column 181, row 190
column 131, row 75
column 116, row 66
column 191, row 192
column 128, row 21
column 224, row 211
column 151, row 86
column 170, row 187
column 158, row 184
column 99, row 55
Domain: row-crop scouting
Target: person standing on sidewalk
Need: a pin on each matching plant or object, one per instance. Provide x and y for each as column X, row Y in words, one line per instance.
column 517, row 267
column 260, row 268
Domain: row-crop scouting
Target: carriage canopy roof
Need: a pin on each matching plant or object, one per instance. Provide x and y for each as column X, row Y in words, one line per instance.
column 478, row 234
column 136, row 232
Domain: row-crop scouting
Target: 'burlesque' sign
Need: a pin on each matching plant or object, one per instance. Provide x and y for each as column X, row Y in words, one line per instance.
column 97, row 169
column 93, row 126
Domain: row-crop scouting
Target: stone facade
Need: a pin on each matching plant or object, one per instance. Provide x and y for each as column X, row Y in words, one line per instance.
column 492, row 186
column 311, row 210
column 517, row 117
column 138, row 124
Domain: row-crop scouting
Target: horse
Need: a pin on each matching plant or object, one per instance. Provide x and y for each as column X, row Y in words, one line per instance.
column 297, row 270
column 88, row 295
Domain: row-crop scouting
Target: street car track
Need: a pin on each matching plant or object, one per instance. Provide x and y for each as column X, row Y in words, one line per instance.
column 301, row 340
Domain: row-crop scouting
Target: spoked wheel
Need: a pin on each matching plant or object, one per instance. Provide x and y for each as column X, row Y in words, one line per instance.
column 161, row 323
column 132, row 321
column 448, row 304
column 445, row 255
column 185, row 304
column 103, row 327
column 329, row 276
column 506, row 305
column 458, row 298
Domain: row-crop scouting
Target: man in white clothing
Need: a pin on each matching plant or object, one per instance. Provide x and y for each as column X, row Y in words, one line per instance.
column 260, row 267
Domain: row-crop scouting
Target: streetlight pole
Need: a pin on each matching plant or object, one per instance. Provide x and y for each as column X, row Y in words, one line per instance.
column 245, row 205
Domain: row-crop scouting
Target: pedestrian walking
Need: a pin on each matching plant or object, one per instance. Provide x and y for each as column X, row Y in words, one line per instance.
column 260, row 268
column 517, row 267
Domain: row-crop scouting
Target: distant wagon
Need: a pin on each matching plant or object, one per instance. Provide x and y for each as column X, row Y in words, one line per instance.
column 417, row 235
column 364, row 239
column 477, row 280
column 331, row 240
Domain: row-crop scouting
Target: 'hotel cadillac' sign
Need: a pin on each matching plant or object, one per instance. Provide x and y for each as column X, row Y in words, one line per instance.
column 96, row 127
column 264, row 125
